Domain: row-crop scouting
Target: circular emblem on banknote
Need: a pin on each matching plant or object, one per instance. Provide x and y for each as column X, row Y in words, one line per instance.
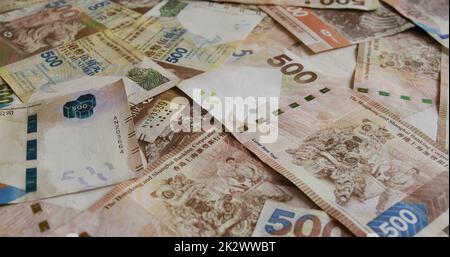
column 7, row 34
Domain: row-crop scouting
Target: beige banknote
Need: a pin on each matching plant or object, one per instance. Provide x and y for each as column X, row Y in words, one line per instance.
column 190, row 194
column 205, row 184
column 7, row 96
column 108, row 13
column 356, row 159
column 403, row 73
column 112, row 15
column 282, row 220
column 24, row 35
column 191, row 36
column 142, row 82
column 323, row 30
column 100, row 54
column 431, row 16
column 10, row 5
column 339, row 63
column 66, row 144
column 442, row 135
column 140, row 6
column 326, row 4
column 37, row 218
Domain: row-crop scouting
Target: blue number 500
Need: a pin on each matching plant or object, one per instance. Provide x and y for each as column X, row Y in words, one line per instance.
column 174, row 56
column 51, row 58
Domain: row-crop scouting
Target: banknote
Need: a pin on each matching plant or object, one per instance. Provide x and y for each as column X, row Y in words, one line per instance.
column 207, row 184
column 142, row 82
column 431, row 16
column 195, row 36
column 327, row 4
column 7, row 96
column 10, row 5
column 22, row 36
column 114, row 16
column 99, row 54
column 357, row 160
column 339, row 63
column 140, row 6
column 37, row 218
column 108, row 13
column 206, row 195
column 403, row 73
column 323, row 30
column 442, row 135
column 282, row 220
column 67, row 144
column 153, row 121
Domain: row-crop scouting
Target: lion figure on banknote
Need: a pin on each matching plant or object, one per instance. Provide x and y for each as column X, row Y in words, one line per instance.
column 348, row 157
column 41, row 30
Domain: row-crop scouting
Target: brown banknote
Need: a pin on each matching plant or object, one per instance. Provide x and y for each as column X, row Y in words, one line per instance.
column 108, row 13
column 325, row 4
column 10, row 5
column 269, row 33
column 356, row 159
column 403, row 72
column 323, row 30
column 140, row 6
column 281, row 220
column 207, row 184
column 431, row 16
column 442, row 135
column 42, row 30
column 37, row 218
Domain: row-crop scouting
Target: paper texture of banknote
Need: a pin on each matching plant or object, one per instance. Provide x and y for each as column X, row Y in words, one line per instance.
column 191, row 35
column 403, row 72
column 41, row 30
column 278, row 219
column 442, row 135
column 108, row 13
column 10, row 5
column 67, row 144
column 338, row 63
column 7, row 96
column 140, row 6
column 326, row 4
column 431, row 16
column 99, row 54
column 323, row 30
column 353, row 157
column 39, row 217
column 142, row 82
column 207, row 184
column 198, row 194
column 114, row 16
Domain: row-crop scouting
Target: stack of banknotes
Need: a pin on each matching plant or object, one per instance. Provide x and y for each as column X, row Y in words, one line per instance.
column 303, row 118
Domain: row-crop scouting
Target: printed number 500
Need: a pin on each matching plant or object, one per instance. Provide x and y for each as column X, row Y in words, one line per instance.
column 398, row 223
column 176, row 55
column 51, row 58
